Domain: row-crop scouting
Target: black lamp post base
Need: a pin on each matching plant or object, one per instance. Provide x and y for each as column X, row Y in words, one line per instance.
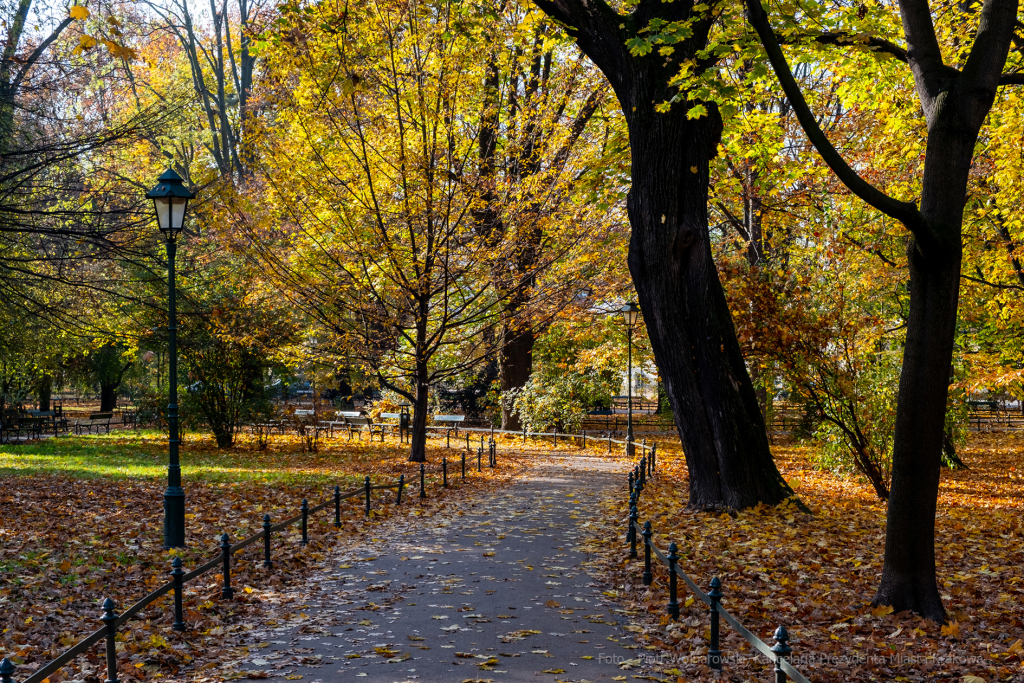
column 174, row 518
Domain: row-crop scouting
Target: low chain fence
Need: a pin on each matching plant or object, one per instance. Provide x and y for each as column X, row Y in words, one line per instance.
column 112, row 621
column 777, row 654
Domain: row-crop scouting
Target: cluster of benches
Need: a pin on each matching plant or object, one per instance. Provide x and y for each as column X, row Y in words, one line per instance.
column 354, row 421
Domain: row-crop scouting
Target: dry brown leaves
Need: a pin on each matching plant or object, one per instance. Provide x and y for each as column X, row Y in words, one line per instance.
column 67, row 543
column 817, row 575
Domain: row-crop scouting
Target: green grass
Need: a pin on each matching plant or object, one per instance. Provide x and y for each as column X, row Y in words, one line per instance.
column 143, row 455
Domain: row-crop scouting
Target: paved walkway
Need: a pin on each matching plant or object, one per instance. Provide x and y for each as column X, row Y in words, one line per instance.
column 496, row 594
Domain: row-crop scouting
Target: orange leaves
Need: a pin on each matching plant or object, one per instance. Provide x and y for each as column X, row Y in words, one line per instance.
column 79, row 12
column 818, row 574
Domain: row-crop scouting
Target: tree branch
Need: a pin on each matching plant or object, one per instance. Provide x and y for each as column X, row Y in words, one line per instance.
column 905, row 212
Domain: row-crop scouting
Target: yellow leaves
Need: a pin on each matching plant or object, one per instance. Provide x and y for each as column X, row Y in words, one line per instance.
column 882, row 610
column 951, row 630
column 552, row 604
column 489, row 554
column 554, row 671
column 84, row 43
column 79, row 12
column 1016, row 649
column 973, row 679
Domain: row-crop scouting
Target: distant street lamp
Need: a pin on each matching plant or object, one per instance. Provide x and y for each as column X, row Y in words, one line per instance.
column 170, row 200
column 630, row 312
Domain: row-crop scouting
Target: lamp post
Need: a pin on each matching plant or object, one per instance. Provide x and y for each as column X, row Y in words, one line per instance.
column 170, row 200
column 630, row 312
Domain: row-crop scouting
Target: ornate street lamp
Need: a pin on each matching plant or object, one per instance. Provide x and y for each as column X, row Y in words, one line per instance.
column 170, row 200
column 630, row 312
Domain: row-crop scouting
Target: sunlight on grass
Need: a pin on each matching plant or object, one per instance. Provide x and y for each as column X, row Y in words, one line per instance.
column 143, row 455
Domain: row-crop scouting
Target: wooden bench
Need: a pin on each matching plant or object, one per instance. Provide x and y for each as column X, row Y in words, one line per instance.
column 360, row 424
column 343, row 416
column 450, row 423
column 95, row 421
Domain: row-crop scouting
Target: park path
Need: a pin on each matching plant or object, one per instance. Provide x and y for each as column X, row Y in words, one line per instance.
column 498, row 593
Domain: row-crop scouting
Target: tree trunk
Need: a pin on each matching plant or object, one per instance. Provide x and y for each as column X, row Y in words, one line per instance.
column 418, row 429
column 908, row 576
column 684, row 307
column 515, row 363
column 108, row 397
column 44, row 390
column 688, row 320
column 108, row 391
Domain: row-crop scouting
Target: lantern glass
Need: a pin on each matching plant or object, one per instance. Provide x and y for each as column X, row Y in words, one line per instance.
column 630, row 312
column 170, row 213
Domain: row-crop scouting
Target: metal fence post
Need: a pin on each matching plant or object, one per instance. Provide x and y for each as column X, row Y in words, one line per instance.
column 463, row 465
column 479, row 459
column 673, row 604
column 226, row 593
column 782, row 650
column 337, row 507
column 554, row 436
column 714, row 653
column 494, row 453
column 584, row 438
column 467, row 440
column 6, row 671
column 609, row 444
column 366, row 486
column 643, row 472
column 524, row 435
column 444, row 471
column 631, row 482
column 654, row 450
column 401, row 485
column 423, row 480
column 633, row 517
column 110, row 619
column 266, row 542
column 176, row 573
column 448, row 439
column 648, row 577
column 304, row 508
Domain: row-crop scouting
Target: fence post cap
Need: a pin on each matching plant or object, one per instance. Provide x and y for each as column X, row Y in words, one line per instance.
column 6, row 667
column 673, row 552
column 108, row 610
column 266, row 518
column 304, row 502
column 337, row 489
column 401, row 477
column 176, row 564
column 716, row 588
column 781, row 646
column 224, row 539
column 647, row 528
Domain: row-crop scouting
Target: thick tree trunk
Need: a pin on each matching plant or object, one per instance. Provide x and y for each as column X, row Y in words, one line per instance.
column 688, row 320
column 108, row 397
column 418, row 428
column 43, row 391
column 684, row 307
column 908, row 575
column 515, row 363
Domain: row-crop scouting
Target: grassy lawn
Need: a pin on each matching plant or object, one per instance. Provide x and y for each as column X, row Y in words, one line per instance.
column 81, row 520
column 143, row 455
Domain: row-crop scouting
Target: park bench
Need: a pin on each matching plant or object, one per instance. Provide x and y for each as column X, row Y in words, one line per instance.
column 50, row 419
column 450, row 423
column 390, row 425
column 95, row 422
column 342, row 420
column 361, row 424
column 983, row 405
